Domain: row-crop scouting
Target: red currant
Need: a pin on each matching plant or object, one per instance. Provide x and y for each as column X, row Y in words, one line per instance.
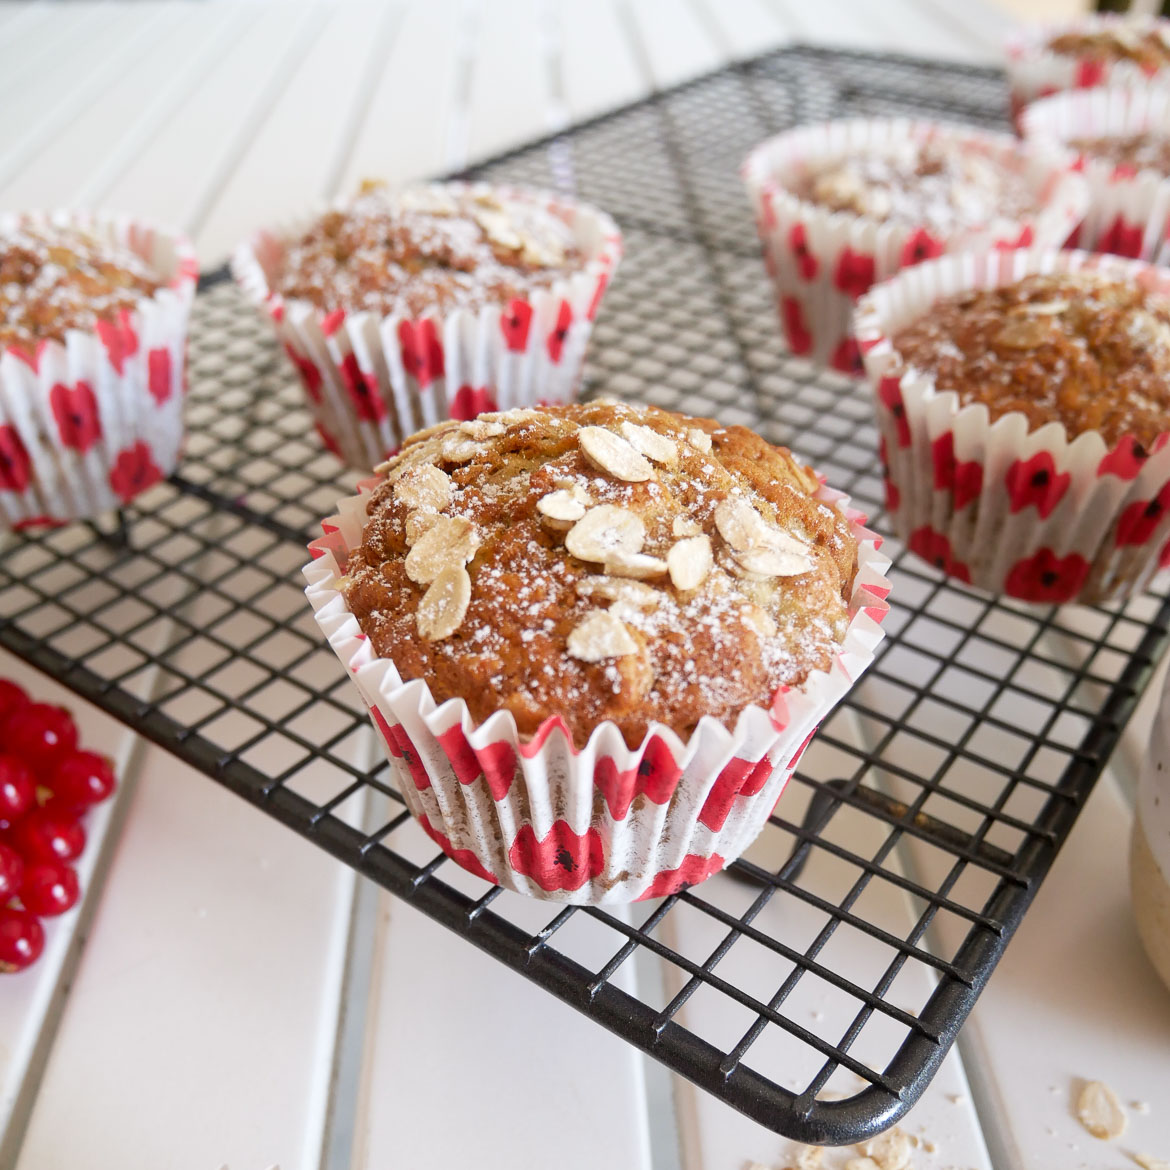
column 43, row 836
column 18, row 788
column 11, row 696
column 11, row 872
column 81, row 779
column 50, row 887
column 22, row 938
column 39, row 733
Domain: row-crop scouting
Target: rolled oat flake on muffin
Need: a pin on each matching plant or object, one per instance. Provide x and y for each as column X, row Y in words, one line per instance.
column 602, row 562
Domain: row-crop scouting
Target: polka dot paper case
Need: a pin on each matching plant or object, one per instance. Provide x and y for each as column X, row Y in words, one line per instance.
column 842, row 205
column 561, row 783
column 1102, row 49
column 1012, row 501
column 491, row 305
column 92, row 363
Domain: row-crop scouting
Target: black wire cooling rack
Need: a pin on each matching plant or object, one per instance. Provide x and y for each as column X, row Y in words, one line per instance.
column 818, row 984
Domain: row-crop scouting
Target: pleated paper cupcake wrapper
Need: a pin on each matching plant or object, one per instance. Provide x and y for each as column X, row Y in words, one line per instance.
column 1129, row 210
column 821, row 261
column 1032, row 515
column 87, row 425
column 1035, row 72
column 603, row 823
column 372, row 381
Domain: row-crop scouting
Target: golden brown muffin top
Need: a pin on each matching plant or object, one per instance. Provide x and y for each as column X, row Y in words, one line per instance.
column 601, row 561
column 1083, row 349
column 53, row 279
column 428, row 249
column 1145, row 46
column 940, row 183
column 1139, row 151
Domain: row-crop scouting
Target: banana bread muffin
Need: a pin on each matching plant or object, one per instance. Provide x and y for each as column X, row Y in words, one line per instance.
column 1143, row 44
column 1137, row 152
column 1087, row 350
column 427, row 249
column 53, row 279
column 601, row 562
column 938, row 183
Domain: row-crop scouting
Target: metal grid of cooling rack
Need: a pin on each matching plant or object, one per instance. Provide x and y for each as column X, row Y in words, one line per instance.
column 969, row 747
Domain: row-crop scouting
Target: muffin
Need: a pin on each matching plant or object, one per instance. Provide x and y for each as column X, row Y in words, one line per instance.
column 1023, row 401
column 1102, row 49
column 844, row 204
column 93, row 322
column 596, row 637
column 1121, row 135
column 403, row 308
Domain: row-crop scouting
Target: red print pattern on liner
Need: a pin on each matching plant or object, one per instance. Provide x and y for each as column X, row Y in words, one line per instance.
column 362, row 389
column 15, row 464
column 920, row 245
column 462, row 857
column 890, row 396
column 806, row 263
column 738, row 778
column 846, row 357
column 561, row 860
column 422, row 351
column 514, row 325
column 1127, row 458
column 1141, row 519
column 795, row 330
column 963, row 479
column 496, row 762
column 934, row 548
column 1122, row 239
column 134, row 471
column 556, row 339
column 470, row 401
column 76, row 415
column 695, row 868
column 158, row 375
column 656, row 777
column 119, row 339
column 1046, row 578
column 310, row 375
column 1035, row 483
column 854, row 272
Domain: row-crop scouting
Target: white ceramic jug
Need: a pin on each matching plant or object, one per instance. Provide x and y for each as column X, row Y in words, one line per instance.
column 1149, row 854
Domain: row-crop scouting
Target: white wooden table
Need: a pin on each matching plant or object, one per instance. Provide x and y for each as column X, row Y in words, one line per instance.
column 241, row 1000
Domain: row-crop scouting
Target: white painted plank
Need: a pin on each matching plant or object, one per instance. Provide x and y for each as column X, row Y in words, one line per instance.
column 716, row 1138
column 471, row 1065
column 28, row 1000
column 598, row 66
column 43, row 36
column 90, row 58
column 675, row 44
column 67, row 164
column 1074, row 999
column 404, row 132
column 170, row 180
column 922, row 29
column 199, row 1029
column 293, row 160
column 510, row 99
column 744, row 27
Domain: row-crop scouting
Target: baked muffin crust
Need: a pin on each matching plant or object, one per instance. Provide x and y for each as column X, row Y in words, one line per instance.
column 1139, row 151
column 1081, row 348
column 425, row 249
column 938, row 183
column 601, row 561
column 1146, row 47
column 53, row 279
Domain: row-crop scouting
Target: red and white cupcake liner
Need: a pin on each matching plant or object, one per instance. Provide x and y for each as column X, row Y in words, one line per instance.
column 87, row 425
column 1035, row 72
column 371, row 381
column 1129, row 209
column 566, row 824
column 821, row 261
column 1026, row 513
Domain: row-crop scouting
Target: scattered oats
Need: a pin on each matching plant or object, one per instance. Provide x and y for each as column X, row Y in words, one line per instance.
column 809, row 1157
column 755, row 1166
column 605, row 531
column 862, row 1164
column 561, row 509
column 510, row 417
column 613, row 454
column 762, row 622
column 1148, row 1162
column 431, row 200
column 1022, row 333
column 929, row 1146
column 957, row 1099
column 599, row 636
column 426, row 487
column 685, row 526
column 444, row 604
column 417, row 523
column 1100, row 1112
column 700, row 440
column 478, row 428
column 449, row 541
column 1140, row 1106
column 689, row 562
column 1040, row 308
column 890, row 1150
column 739, row 523
column 650, row 443
column 622, row 589
column 637, row 565
column 546, row 253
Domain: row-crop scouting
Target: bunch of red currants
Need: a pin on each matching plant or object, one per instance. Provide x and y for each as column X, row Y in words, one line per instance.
column 46, row 786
